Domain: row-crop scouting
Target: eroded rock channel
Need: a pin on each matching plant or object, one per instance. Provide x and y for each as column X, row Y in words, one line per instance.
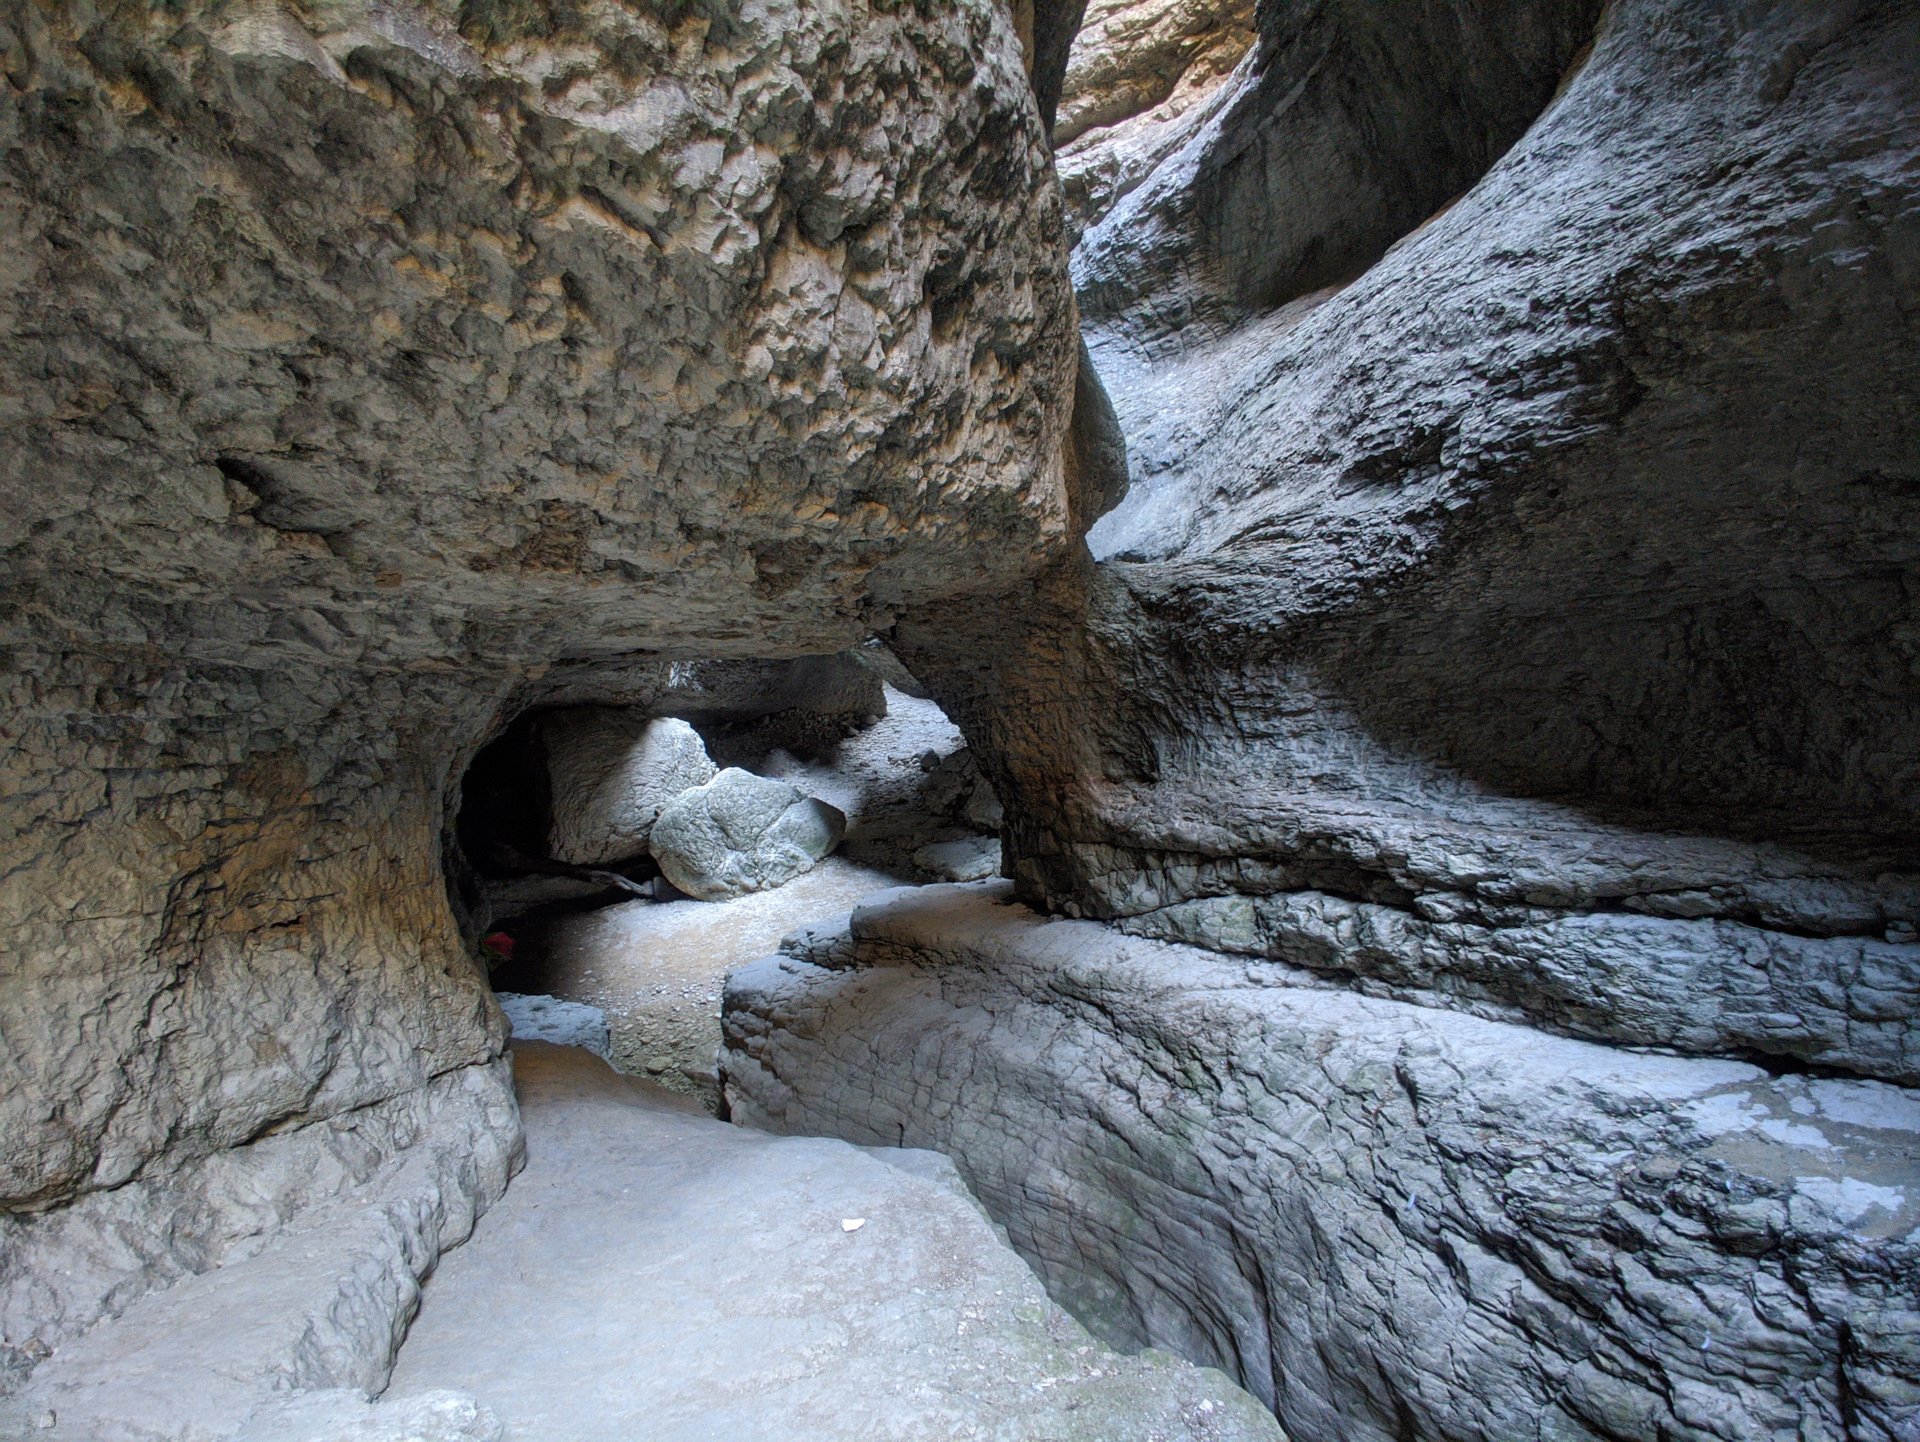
column 1216, row 700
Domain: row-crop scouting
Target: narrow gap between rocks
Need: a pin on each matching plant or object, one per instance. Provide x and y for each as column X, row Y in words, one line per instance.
column 592, row 939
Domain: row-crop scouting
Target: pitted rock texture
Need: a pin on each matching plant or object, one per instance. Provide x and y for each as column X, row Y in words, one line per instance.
column 287, row 1266
column 225, row 912
column 1389, row 1221
column 582, row 329
column 609, row 774
column 741, row 833
column 1692, row 985
column 1450, row 614
column 1138, row 70
column 1132, row 57
column 380, row 371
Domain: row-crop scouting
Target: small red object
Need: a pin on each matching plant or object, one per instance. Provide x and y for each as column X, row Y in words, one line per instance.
column 500, row 944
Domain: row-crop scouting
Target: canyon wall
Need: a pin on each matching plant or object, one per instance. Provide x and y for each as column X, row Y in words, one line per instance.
column 1388, row 1220
column 1487, row 730
column 378, row 371
column 1455, row 609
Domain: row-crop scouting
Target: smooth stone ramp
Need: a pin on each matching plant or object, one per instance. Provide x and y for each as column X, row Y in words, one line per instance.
column 655, row 1274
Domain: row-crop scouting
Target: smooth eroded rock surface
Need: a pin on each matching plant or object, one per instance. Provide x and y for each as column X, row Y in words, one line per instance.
column 610, row 773
column 289, row 1265
column 1390, row 1221
column 557, row 1022
column 1138, row 71
column 741, row 833
column 656, row 1273
column 1447, row 635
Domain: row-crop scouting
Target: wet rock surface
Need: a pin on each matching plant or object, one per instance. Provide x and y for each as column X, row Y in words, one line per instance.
column 1389, row 1220
column 673, row 1277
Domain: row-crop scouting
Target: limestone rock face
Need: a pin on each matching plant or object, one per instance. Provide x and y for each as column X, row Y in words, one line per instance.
column 581, row 323
column 560, row 1023
column 343, row 1415
column 1446, row 638
column 839, row 686
column 1351, row 123
column 378, row 371
column 741, row 833
column 294, row 1261
column 1501, row 663
column 1137, row 70
column 609, row 774
column 1387, row 1220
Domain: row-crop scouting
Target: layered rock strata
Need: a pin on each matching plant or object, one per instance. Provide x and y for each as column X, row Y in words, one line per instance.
column 1500, row 664
column 290, row 1265
column 1448, row 632
column 1387, row 1220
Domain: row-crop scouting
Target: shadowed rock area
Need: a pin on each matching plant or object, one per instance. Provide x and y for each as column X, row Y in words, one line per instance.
column 1484, row 656
column 1448, row 638
column 1387, row 1220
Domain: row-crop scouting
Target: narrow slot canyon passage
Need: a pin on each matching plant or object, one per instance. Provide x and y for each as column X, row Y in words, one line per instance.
column 1032, row 720
column 569, row 906
column 802, row 1286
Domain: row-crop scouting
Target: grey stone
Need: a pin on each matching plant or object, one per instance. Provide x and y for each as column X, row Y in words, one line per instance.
column 1450, row 597
column 967, row 858
column 1498, row 457
column 342, row 1415
column 562, row 1023
column 741, row 833
column 875, row 656
column 1349, row 125
column 655, row 1273
column 1698, row 986
column 383, row 371
column 1387, row 1220
column 65, row 1270
column 1139, row 73
column 609, row 773
column 291, row 1264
